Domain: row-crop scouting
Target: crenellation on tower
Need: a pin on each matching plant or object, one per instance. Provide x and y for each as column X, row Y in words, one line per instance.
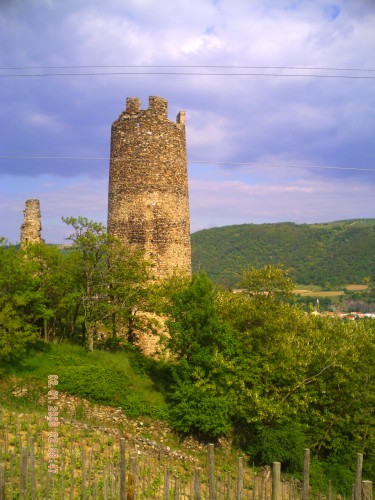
column 180, row 118
column 31, row 227
column 133, row 105
column 158, row 106
column 148, row 202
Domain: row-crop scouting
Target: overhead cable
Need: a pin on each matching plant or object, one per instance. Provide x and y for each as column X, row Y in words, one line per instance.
column 176, row 73
column 199, row 162
column 299, row 68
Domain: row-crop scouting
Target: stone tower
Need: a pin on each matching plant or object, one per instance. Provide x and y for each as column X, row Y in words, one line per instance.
column 148, row 203
column 31, row 227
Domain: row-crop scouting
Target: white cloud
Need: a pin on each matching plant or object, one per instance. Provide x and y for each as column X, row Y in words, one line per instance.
column 217, row 203
column 293, row 120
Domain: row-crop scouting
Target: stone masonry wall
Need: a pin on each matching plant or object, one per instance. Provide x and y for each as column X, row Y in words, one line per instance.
column 148, row 203
column 31, row 227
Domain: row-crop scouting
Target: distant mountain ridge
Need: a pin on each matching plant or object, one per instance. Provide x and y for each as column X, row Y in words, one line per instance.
column 332, row 253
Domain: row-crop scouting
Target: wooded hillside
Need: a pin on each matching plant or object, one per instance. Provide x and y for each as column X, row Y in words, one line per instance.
column 334, row 253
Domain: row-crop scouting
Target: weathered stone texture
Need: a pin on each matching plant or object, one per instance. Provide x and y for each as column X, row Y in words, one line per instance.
column 148, row 202
column 31, row 227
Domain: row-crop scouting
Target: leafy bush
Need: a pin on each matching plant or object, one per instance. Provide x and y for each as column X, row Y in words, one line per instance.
column 282, row 443
column 200, row 412
column 95, row 383
column 17, row 336
column 342, row 475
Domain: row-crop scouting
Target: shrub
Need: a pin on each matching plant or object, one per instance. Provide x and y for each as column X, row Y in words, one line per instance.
column 200, row 412
column 281, row 443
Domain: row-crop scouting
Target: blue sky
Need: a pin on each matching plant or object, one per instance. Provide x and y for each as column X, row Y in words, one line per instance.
column 259, row 135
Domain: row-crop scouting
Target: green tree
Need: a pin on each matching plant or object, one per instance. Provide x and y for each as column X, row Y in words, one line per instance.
column 53, row 281
column 268, row 282
column 299, row 375
column 17, row 335
column 199, row 343
column 113, row 278
column 17, row 299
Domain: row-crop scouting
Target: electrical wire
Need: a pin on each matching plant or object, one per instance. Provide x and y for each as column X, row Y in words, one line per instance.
column 174, row 73
column 198, row 162
column 299, row 68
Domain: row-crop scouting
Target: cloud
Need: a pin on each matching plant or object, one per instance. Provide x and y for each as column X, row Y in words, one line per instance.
column 235, row 202
column 277, row 119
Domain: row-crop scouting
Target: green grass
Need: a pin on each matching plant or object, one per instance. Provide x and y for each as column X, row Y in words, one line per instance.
column 115, row 379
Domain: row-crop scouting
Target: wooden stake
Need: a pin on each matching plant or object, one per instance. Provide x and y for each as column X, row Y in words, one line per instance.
column 367, row 490
column 32, row 468
column 239, row 478
column 276, row 467
column 2, row 481
column 122, row 469
column 211, row 471
column 306, row 475
column 358, row 478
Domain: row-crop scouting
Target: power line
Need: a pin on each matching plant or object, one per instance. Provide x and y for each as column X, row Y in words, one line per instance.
column 301, row 68
column 175, row 73
column 280, row 165
column 199, row 162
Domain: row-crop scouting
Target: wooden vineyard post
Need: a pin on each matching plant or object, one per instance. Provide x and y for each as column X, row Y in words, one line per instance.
column 276, row 480
column 176, row 488
column 306, row 475
column 83, row 484
column 2, row 481
column 11, row 473
column 227, row 497
column 23, row 474
column 330, row 490
column 211, row 472
column 358, row 478
column 32, row 468
column 131, row 479
column 367, row 490
column 71, row 478
column 197, row 484
column 131, row 487
column 239, row 478
column 62, row 491
column 166, row 484
column 122, row 469
column 254, row 484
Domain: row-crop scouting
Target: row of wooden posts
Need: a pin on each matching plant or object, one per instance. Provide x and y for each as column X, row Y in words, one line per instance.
column 173, row 486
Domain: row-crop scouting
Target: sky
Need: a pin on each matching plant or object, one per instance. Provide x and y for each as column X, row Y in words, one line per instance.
column 279, row 98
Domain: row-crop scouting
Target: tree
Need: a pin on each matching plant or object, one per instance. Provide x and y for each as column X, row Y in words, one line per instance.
column 298, row 378
column 113, row 278
column 268, row 283
column 199, row 343
column 53, row 282
column 17, row 335
column 17, row 329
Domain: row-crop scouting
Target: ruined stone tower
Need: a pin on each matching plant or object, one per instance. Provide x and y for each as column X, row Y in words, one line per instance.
column 148, row 203
column 31, row 227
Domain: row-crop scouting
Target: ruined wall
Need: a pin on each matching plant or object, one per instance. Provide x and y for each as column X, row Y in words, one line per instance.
column 148, row 203
column 31, row 227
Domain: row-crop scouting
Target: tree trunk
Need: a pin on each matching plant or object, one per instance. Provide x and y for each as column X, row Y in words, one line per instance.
column 90, row 332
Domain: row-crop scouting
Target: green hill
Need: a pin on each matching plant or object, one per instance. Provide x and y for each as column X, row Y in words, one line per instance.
column 324, row 254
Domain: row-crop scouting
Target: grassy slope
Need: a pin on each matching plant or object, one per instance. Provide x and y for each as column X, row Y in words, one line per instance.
column 116, row 379
column 338, row 253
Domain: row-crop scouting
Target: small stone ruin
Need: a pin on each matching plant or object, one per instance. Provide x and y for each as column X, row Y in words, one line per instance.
column 31, row 227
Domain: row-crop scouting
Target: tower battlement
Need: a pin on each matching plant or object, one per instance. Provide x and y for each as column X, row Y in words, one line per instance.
column 157, row 108
column 148, row 202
